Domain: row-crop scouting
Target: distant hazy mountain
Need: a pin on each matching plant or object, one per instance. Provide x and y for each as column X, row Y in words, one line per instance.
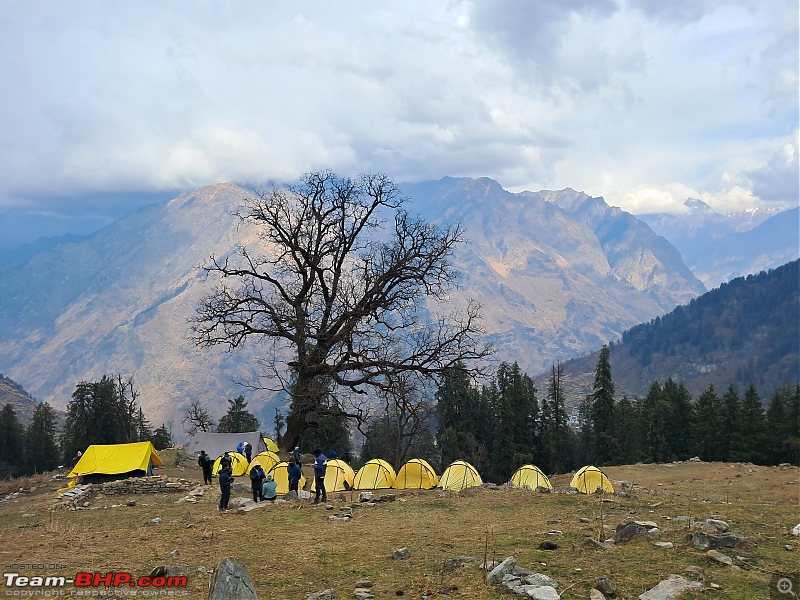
column 558, row 273
column 774, row 242
column 718, row 247
column 746, row 331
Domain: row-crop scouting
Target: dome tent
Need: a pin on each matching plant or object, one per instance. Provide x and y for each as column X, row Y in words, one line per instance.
column 339, row 477
column 239, row 464
column 530, row 476
column 416, row 474
column 280, row 473
column 266, row 459
column 458, row 476
column 589, row 479
column 376, row 474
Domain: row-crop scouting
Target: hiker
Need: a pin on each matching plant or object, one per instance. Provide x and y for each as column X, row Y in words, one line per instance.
column 297, row 455
column 294, row 473
column 248, row 451
column 257, row 481
column 332, row 454
column 76, row 458
column 226, row 461
column 205, row 462
column 270, row 490
column 225, row 481
column 320, row 466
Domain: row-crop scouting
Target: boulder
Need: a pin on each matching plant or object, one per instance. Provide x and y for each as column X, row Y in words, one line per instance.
column 504, row 568
column 231, row 582
column 401, row 554
column 606, row 586
column 709, row 541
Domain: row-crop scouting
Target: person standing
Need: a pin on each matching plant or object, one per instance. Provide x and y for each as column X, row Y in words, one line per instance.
column 248, row 451
column 294, row 472
column 320, row 466
column 257, row 481
column 76, row 458
column 226, row 461
column 205, row 462
column 225, row 482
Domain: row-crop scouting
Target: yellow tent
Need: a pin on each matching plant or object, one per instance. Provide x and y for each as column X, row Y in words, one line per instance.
column 376, row 474
column 589, row 479
column 416, row 474
column 530, row 476
column 266, row 459
column 459, row 475
column 135, row 459
column 280, row 473
column 239, row 464
column 271, row 445
column 339, row 477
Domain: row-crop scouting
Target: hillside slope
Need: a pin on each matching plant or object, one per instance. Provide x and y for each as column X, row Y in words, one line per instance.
column 745, row 331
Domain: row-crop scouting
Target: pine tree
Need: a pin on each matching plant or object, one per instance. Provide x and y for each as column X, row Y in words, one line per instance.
column 238, row 419
column 749, row 443
column 729, row 422
column 706, row 425
column 162, row 438
column 11, row 442
column 556, row 449
column 603, row 427
column 627, row 431
column 678, row 420
column 654, row 415
column 41, row 450
column 463, row 418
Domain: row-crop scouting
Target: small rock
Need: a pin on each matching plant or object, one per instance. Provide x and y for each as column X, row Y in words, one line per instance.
column 366, row 497
column 328, row 594
column 361, row 594
column 401, row 554
column 796, row 530
column 788, row 547
column 694, row 570
column 596, row 595
column 544, row 592
column 364, row 584
column 719, row 557
column 664, row 545
column 329, row 507
column 673, row 587
column 606, row 586
column 131, row 503
column 548, row 545
column 174, row 554
column 540, row 580
column 156, row 521
column 714, row 586
column 584, row 520
column 595, row 545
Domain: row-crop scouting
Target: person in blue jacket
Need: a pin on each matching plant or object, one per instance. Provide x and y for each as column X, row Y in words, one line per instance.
column 320, row 466
column 295, row 473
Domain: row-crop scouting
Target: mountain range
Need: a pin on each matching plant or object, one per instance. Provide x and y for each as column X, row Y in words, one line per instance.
column 558, row 273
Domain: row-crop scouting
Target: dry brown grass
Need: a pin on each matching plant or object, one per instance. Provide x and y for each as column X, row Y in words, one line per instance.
column 293, row 550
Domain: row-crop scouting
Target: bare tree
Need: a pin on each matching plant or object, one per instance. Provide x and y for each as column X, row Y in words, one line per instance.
column 338, row 292
column 198, row 417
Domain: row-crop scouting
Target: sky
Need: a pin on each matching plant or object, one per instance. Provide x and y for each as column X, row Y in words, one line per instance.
column 110, row 106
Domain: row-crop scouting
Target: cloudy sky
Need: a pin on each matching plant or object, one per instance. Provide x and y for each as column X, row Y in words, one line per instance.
column 108, row 106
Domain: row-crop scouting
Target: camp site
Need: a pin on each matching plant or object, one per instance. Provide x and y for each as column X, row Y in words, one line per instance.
column 411, row 531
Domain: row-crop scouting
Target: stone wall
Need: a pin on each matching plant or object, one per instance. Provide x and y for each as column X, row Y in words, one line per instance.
column 80, row 495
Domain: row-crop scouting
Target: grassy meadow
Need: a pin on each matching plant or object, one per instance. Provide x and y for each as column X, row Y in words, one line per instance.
column 294, row 549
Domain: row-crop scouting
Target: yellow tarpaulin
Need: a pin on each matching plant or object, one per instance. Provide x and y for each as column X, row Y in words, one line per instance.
column 115, row 459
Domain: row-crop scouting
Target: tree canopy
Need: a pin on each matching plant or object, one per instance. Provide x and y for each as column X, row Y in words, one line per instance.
column 338, row 289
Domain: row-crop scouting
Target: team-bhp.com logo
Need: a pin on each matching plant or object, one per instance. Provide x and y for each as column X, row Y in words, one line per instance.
column 89, row 584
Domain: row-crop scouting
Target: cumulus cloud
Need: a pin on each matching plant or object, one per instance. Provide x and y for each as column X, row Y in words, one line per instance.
column 628, row 99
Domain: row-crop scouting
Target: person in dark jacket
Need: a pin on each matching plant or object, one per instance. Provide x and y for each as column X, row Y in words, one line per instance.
column 320, row 466
column 257, row 478
column 225, row 481
column 205, row 462
column 294, row 473
column 248, row 451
